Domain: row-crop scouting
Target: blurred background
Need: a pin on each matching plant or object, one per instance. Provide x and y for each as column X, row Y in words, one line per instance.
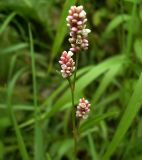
column 109, row 76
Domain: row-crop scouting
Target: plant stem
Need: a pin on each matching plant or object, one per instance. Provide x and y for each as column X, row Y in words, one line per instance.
column 74, row 123
column 76, row 66
column 73, row 117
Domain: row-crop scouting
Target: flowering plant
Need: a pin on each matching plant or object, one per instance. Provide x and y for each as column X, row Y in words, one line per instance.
column 76, row 21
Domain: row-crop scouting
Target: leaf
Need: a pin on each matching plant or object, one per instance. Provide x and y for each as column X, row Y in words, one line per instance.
column 19, row 107
column 92, row 147
column 6, row 22
column 107, row 79
column 65, row 146
column 13, row 48
column 91, row 122
column 21, row 143
column 132, row 109
column 116, row 22
column 38, row 137
column 28, row 3
column 130, row 29
column 1, row 150
column 138, row 49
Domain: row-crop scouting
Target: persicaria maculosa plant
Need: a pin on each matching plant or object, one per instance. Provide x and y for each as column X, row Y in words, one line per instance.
column 76, row 21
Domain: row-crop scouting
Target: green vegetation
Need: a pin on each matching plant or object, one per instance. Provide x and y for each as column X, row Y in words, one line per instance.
column 35, row 101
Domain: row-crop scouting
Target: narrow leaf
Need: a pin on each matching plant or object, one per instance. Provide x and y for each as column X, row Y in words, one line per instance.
column 21, row 143
column 127, row 119
column 7, row 21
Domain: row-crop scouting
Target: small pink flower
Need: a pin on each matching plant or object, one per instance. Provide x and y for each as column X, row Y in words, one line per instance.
column 67, row 64
column 83, row 108
column 78, row 32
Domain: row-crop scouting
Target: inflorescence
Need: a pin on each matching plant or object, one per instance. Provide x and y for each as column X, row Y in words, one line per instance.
column 67, row 64
column 83, row 108
column 76, row 21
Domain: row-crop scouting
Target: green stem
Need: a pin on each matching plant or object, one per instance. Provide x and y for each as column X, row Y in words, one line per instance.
column 76, row 66
column 74, row 123
column 73, row 117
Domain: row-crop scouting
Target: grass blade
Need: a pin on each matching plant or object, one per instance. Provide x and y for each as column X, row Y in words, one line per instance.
column 107, row 79
column 130, row 29
column 19, row 107
column 11, row 85
column 39, row 151
column 128, row 116
column 92, row 147
column 13, row 48
column 138, row 49
column 91, row 122
column 116, row 22
column 6, row 22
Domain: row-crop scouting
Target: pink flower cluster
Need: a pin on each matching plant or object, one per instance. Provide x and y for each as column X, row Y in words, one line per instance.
column 78, row 32
column 83, row 108
column 76, row 21
column 67, row 64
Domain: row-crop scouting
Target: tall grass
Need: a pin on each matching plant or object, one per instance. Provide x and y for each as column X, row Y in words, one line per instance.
column 38, row 137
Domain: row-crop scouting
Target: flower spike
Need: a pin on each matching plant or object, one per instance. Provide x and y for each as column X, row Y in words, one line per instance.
column 76, row 21
column 83, row 109
column 67, row 64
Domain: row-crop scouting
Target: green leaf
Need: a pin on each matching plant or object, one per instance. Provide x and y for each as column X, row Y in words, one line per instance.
column 138, row 49
column 65, row 146
column 13, row 48
column 116, row 22
column 92, row 147
column 130, row 29
column 107, row 79
column 1, row 150
column 39, row 151
column 19, row 107
column 132, row 109
column 11, row 86
column 28, row 3
column 91, row 122
column 6, row 22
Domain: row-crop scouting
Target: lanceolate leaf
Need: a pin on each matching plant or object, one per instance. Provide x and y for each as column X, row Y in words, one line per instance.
column 132, row 109
column 20, row 140
column 7, row 21
column 91, row 122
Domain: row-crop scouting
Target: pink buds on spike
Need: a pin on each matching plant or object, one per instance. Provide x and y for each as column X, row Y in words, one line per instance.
column 83, row 108
column 67, row 64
